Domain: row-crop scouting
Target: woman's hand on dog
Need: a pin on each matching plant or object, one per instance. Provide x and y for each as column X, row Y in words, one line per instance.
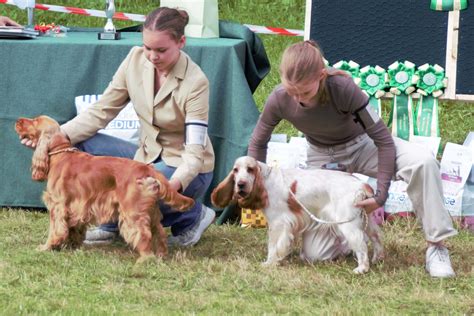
column 28, row 142
column 31, row 143
column 369, row 205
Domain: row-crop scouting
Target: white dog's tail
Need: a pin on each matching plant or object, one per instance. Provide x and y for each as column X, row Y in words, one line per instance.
column 365, row 192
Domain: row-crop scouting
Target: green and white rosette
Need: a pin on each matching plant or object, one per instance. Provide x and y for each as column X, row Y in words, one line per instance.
column 430, row 84
column 401, row 81
column 351, row 67
column 448, row 5
column 373, row 81
column 326, row 62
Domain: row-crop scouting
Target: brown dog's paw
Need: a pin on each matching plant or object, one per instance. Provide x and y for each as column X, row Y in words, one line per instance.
column 146, row 258
column 44, row 247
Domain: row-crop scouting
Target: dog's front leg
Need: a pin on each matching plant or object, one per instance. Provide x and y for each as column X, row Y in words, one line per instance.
column 280, row 239
column 159, row 236
column 76, row 236
column 47, row 246
column 58, row 229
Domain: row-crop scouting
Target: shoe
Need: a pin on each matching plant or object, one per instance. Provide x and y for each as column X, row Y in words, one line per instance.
column 98, row 236
column 438, row 263
column 192, row 236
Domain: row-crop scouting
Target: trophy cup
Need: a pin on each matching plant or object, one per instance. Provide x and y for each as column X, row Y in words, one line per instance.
column 109, row 33
column 30, row 7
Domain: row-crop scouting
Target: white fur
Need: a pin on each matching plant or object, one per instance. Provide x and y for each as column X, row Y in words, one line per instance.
column 329, row 195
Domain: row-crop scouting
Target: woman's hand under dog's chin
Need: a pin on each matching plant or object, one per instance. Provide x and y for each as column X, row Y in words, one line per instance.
column 28, row 142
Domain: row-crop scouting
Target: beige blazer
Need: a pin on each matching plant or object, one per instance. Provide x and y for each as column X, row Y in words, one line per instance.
column 183, row 97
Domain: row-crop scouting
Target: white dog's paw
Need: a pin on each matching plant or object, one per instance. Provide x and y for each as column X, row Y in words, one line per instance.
column 377, row 257
column 270, row 263
column 361, row 270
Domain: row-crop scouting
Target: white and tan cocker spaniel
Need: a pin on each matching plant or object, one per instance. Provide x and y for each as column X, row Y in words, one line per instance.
column 293, row 199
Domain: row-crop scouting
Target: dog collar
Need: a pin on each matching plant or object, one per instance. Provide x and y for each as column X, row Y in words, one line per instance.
column 69, row 149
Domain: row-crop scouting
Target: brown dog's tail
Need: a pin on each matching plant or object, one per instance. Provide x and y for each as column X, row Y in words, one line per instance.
column 158, row 186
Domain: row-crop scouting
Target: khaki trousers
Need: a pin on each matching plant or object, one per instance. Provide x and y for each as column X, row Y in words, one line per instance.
column 414, row 165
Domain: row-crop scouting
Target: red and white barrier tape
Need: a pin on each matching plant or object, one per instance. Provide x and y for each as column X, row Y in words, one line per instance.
column 87, row 12
column 141, row 18
column 274, row 30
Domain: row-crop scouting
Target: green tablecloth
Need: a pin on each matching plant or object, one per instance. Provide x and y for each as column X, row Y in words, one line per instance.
column 44, row 75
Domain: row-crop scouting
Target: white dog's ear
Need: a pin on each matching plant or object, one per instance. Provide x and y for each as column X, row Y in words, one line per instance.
column 224, row 192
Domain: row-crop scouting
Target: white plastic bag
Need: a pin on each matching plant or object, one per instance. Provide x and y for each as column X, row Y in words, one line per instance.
column 203, row 16
column 288, row 155
column 456, row 164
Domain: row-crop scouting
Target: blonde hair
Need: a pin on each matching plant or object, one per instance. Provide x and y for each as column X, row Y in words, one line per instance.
column 303, row 62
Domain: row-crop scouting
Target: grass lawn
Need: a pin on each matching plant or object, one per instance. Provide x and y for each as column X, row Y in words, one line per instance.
column 223, row 274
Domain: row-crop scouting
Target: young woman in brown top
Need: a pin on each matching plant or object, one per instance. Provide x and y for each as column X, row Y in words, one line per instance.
column 333, row 113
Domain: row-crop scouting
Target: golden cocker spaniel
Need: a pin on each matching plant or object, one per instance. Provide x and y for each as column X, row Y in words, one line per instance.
column 83, row 189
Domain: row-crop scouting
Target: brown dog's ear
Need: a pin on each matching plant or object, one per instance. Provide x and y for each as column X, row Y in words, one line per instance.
column 40, row 161
column 224, row 192
column 258, row 198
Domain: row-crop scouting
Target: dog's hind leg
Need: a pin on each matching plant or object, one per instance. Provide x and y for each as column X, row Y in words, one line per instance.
column 355, row 237
column 135, row 229
column 159, row 236
column 374, row 234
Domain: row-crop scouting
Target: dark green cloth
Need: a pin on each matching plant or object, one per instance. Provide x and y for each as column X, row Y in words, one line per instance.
column 44, row 75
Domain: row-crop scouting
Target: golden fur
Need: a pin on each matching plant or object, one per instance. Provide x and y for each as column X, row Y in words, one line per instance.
column 83, row 189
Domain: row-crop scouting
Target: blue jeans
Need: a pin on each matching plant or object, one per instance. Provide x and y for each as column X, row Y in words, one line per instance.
column 105, row 145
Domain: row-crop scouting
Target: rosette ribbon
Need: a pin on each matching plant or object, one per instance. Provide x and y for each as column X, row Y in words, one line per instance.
column 430, row 84
column 448, row 5
column 401, row 81
column 373, row 81
column 326, row 62
column 351, row 67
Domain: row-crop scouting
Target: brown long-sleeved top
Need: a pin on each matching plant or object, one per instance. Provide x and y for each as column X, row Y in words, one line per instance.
column 328, row 124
